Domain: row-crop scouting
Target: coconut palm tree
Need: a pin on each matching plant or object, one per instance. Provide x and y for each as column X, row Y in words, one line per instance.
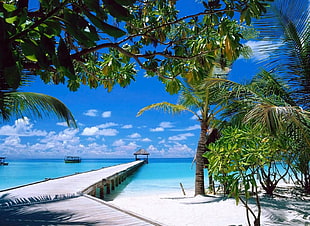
column 203, row 100
column 268, row 104
column 277, row 102
column 266, row 101
column 291, row 61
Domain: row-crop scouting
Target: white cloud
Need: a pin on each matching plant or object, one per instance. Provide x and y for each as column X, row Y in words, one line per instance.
column 12, row 141
column 134, row 135
column 180, row 150
column 158, row 129
column 65, row 136
column 97, row 131
column 101, row 130
column 106, row 114
column 53, row 145
column 176, row 150
column 90, row 139
column 118, row 143
column 194, row 127
column 190, row 128
column 91, row 113
column 67, row 142
column 146, row 140
column 108, row 132
column 62, row 124
column 12, row 146
column 127, row 127
column 90, row 131
column 21, row 127
column 162, row 126
column 126, row 148
column 259, row 50
column 154, row 151
column 166, row 125
column 181, row 136
column 152, row 148
column 107, row 125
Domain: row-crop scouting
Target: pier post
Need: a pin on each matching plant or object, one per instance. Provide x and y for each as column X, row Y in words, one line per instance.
column 108, row 184
column 113, row 184
column 101, row 192
column 108, row 187
column 93, row 192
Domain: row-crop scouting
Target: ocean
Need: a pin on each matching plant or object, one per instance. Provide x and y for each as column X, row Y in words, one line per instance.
column 160, row 175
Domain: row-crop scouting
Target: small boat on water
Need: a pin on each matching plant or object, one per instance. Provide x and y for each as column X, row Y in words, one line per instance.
column 72, row 159
column 2, row 162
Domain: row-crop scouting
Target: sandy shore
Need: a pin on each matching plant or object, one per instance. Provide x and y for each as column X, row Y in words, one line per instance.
column 176, row 209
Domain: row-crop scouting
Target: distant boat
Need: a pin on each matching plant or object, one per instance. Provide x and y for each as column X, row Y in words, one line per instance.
column 72, row 159
column 2, row 162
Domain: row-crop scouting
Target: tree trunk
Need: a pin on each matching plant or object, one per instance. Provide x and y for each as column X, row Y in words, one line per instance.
column 201, row 149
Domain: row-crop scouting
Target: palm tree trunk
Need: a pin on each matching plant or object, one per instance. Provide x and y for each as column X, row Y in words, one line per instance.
column 201, row 149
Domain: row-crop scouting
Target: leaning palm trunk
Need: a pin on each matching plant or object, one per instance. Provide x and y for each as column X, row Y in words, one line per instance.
column 201, row 149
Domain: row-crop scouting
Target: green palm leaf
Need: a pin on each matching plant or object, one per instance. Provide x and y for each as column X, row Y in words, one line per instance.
column 290, row 27
column 166, row 107
column 272, row 117
column 38, row 105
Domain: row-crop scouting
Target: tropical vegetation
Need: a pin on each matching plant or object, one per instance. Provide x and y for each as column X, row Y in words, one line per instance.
column 274, row 108
column 197, row 99
column 103, row 43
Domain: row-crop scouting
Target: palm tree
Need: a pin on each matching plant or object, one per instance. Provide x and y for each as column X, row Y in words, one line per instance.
column 268, row 104
column 265, row 101
column 289, row 20
column 282, row 98
column 202, row 100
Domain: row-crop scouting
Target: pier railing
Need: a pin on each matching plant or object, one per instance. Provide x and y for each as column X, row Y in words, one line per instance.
column 107, row 185
column 79, row 204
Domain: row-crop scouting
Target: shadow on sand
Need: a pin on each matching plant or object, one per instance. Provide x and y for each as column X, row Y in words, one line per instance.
column 31, row 211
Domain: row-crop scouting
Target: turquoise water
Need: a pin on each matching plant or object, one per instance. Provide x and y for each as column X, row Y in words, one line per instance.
column 157, row 176
column 20, row 172
column 161, row 176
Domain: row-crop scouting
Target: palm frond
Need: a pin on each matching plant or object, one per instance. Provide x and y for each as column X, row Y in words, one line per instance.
column 190, row 98
column 38, row 105
column 166, row 107
column 288, row 25
column 273, row 118
column 264, row 101
column 270, row 87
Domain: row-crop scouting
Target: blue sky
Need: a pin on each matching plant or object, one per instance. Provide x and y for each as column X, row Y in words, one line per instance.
column 107, row 123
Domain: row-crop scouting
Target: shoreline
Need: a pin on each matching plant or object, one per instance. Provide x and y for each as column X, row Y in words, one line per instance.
column 175, row 209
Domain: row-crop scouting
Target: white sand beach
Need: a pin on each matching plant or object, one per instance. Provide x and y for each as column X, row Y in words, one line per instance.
column 176, row 209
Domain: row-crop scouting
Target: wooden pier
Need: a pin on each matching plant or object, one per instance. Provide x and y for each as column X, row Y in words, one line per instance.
column 74, row 199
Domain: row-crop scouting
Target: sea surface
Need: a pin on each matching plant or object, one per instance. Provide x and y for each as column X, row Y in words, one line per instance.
column 160, row 175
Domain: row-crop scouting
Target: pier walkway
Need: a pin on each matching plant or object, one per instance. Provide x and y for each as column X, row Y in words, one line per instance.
column 69, row 200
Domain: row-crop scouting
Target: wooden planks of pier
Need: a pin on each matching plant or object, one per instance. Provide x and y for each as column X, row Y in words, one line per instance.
column 70, row 200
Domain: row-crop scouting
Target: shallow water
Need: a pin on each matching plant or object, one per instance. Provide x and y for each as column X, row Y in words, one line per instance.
column 25, row 171
column 160, row 175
